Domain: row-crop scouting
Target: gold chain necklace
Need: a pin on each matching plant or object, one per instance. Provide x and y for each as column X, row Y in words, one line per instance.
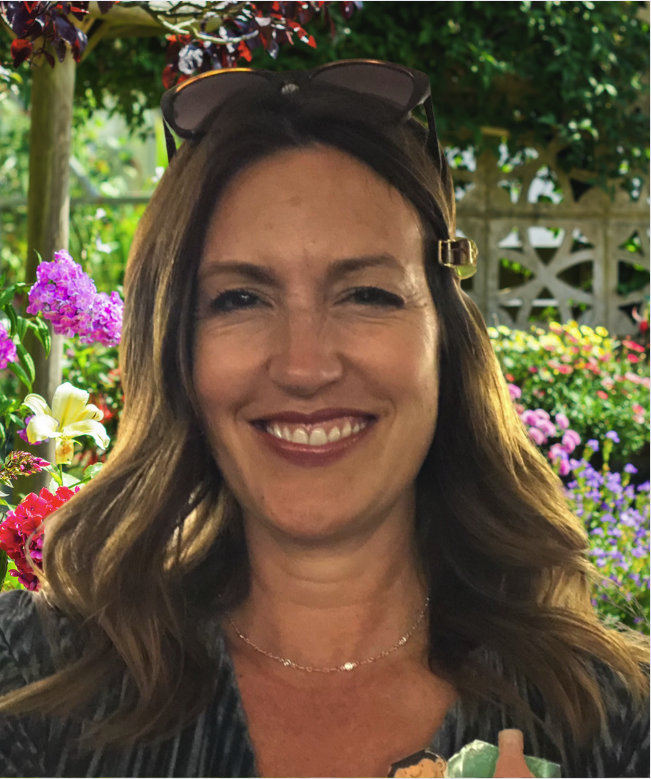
column 346, row 666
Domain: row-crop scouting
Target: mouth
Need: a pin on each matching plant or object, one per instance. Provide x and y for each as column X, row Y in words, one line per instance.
column 317, row 434
column 319, row 440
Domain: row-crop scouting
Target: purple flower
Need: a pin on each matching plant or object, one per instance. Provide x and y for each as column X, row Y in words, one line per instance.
column 64, row 294
column 67, row 296
column 7, row 348
column 557, row 452
column 571, row 440
column 106, row 320
column 613, row 436
column 630, row 468
column 537, row 436
column 514, row 391
column 562, row 421
column 593, row 444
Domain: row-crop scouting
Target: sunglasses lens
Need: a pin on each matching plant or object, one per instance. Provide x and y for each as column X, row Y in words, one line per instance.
column 390, row 84
column 194, row 102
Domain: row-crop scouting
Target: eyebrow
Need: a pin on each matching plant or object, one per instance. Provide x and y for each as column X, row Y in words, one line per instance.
column 336, row 270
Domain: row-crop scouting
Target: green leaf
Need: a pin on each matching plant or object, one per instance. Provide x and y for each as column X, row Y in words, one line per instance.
column 68, row 481
column 13, row 318
column 93, row 470
column 43, row 334
column 7, row 295
column 3, row 566
column 19, row 371
column 21, row 326
column 26, row 361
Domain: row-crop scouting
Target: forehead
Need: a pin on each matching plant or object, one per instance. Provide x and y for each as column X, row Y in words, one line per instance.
column 312, row 205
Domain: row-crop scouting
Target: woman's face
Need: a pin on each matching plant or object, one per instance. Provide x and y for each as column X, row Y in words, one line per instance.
column 315, row 323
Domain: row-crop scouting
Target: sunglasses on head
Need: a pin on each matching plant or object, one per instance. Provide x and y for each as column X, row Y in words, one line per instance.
column 186, row 107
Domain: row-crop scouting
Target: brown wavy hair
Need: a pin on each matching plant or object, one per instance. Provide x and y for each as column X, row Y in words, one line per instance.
column 154, row 544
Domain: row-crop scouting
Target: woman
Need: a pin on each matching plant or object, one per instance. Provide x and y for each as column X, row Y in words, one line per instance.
column 323, row 540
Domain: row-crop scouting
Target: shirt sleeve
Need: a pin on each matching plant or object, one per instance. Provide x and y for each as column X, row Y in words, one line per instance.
column 22, row 742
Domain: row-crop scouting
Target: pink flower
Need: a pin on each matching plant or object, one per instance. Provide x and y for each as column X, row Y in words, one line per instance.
column 565, row 369
column 537, row 436
column 571, row 440
column 546, row 427
column 530, row 417
column 557, row 454
column 601, row 394
column 562, row 421
column 638, row 409
column 514, row 391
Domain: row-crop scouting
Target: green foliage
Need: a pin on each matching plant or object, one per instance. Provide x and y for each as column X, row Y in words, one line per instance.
column 540, row 70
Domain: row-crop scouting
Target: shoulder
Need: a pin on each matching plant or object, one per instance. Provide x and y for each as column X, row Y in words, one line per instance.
column 622, row 746
column 22, row 641
column 23, row 659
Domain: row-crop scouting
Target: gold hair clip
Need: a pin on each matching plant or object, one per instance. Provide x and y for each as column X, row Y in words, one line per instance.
column 460, row 255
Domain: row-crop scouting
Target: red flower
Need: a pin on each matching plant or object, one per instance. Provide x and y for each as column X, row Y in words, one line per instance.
column 603, row 395
column 632, row 345
column 18, row 525
column 509, row 377
column 633, row 358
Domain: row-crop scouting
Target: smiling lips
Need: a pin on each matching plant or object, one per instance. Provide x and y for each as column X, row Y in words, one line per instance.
column 319, row 434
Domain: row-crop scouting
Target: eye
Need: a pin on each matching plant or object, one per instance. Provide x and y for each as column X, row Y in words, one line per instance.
column 233, row 300
column 374, row 296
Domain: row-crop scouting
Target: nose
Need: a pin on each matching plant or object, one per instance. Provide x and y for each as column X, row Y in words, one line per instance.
column 304, row 356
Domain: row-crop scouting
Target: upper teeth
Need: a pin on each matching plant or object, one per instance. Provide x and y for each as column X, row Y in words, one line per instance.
column 315, row 436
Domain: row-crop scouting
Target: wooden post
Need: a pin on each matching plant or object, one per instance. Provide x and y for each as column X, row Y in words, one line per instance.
column 48, row 213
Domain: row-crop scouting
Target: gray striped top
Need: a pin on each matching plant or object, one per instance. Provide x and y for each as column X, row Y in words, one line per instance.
column 217, row 744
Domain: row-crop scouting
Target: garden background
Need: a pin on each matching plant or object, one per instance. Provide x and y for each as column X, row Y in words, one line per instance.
column 543, row 108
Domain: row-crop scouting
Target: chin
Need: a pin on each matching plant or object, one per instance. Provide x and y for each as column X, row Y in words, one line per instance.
column 309, row 523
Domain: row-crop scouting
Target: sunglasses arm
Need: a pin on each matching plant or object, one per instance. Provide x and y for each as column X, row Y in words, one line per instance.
column 433, row 139
column 170, row 145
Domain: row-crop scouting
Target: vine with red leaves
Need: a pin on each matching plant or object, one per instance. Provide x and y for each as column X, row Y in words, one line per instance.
column 267, row 24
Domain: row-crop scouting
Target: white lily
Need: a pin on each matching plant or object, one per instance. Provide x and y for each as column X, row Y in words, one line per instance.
column 71, row 416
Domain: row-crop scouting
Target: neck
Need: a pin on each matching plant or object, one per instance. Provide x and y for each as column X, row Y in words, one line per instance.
column 325, row 604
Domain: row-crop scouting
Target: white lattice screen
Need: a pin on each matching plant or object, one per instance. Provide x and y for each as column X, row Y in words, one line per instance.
column 578, row 239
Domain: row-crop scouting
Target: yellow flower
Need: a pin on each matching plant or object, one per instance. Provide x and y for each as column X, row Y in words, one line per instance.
column 601, row 331
column 71, row 416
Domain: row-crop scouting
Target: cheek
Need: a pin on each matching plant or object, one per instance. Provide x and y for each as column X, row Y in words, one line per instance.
column 223, row 375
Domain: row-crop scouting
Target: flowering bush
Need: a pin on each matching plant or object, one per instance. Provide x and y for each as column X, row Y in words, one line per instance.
column 599, row 382
column 67, row 296
column 19, row 525
column 616, row 516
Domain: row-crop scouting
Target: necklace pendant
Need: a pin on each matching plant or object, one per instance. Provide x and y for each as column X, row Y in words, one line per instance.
column 287, row 662
column 348, row 666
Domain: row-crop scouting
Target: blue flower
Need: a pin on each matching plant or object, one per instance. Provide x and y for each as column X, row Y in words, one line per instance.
column 630, row 468
column 593, row 444
column 613, row 436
